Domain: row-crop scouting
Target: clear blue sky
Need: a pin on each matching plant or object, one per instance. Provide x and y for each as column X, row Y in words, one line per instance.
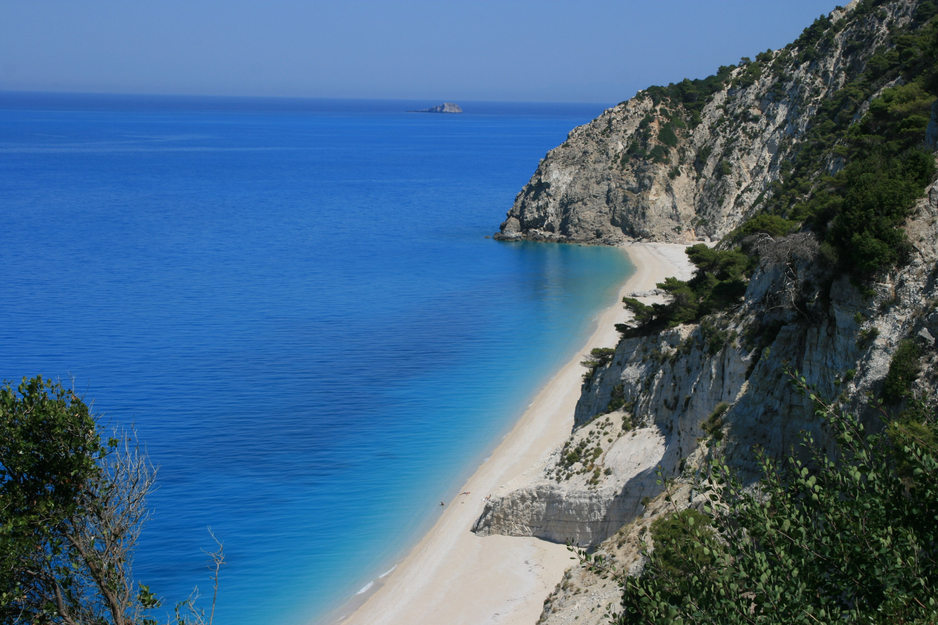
column 523, row 50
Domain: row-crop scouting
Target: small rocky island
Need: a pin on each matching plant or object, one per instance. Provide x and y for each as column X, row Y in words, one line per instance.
column 446, row 107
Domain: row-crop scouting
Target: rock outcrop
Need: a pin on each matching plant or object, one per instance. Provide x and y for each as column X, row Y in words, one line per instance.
column 446, row 107
column 563, row 505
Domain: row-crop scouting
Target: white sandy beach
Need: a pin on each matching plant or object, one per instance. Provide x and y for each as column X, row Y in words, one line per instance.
column 454, row 577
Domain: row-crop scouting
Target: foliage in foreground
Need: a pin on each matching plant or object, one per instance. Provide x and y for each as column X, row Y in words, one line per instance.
column 851, row 538
column 71, row 509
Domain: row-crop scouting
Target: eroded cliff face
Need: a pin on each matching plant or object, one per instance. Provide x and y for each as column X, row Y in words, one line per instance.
column 654, row 168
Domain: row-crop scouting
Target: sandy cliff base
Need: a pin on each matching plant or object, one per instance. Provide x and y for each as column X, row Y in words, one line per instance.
column 455, row 577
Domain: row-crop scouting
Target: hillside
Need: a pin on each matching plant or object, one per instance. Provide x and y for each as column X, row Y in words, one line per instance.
column 812, row 170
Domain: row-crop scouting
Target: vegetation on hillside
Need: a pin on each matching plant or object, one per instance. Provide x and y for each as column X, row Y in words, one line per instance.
column 598, row 358
column 852, row 179
column 850, row 536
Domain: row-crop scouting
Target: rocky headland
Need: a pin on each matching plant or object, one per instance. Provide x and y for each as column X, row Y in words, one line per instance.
column 446, row 107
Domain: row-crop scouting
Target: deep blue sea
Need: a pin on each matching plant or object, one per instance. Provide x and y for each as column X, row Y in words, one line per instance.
column 294, row 303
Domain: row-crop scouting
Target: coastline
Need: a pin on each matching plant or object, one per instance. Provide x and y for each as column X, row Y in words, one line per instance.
column 454, row 576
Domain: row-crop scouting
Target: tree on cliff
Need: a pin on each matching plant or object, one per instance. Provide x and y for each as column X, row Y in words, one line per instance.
column 72, row 506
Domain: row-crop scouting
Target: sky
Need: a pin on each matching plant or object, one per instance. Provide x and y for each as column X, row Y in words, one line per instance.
column 508, row 50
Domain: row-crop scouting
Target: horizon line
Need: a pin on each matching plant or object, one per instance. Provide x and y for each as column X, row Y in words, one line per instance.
column 4, row 92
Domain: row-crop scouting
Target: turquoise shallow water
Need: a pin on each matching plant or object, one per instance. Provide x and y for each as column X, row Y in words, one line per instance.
column 295, row 304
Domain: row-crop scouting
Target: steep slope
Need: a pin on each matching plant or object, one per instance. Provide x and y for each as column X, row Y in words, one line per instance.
column 690, row 161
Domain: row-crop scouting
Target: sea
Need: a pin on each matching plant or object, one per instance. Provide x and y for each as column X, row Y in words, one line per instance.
column 296, row 306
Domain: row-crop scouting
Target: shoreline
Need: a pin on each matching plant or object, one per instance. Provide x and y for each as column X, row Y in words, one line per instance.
column 454, row 576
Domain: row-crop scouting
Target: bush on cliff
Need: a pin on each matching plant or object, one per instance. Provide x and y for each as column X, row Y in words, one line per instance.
column 878, row 167
column 764, row 223
column 903, row 369
column 598, row 358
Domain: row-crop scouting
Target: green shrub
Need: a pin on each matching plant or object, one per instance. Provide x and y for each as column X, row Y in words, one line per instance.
column 617, row 398
column 713, row 426
column 723, row 169
column 49, row 451
column 749, row 77
column 666, row 135
column 867, row 336
column 914, row 427
column 598, row 358
column 718, row 283
column 635, row 149
column 659, row 154
column 879, row 193
column 715, row 338
column 772, row 225
column 72, row 505
column 642, row 312
column 691, row 95
column 681, row 555
column 904, row 368
column 700, row 161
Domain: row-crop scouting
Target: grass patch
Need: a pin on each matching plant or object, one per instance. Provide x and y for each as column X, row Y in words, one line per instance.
column 713, row 426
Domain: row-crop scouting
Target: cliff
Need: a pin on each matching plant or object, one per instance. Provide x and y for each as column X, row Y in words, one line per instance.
column 655, row 167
